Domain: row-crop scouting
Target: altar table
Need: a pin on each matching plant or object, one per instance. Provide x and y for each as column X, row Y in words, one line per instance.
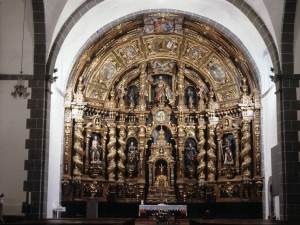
column 163, row 208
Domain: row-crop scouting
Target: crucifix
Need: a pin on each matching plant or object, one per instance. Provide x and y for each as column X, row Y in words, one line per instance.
column 161, row 169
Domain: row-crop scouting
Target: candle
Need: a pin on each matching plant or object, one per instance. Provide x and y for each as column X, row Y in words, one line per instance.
column 29, row 198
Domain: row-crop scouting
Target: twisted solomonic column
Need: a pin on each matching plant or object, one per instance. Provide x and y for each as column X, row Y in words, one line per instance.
column 211, row 153
column 201, row 154
column 246, row 148
column 78, row 147
column 121, row 150
column 111, row 156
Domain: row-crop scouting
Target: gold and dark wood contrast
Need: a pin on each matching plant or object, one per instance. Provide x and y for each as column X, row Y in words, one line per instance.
column 162, row 109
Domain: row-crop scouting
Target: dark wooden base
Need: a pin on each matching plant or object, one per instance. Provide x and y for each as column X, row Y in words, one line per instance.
column 102, row 221
column 238, row 222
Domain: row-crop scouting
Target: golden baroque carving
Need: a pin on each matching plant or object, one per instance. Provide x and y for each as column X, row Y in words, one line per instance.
column 211, row 153
column 68, row 125
column 78, row 147
column 121, row 152
column 162, row 45
column 194, row 53
column 111, row 146
column 132, row 131
column 201, row 155
column 228, row 93
column 246, row 148
column 190, row 131
column 106, row 70
column 130, row 52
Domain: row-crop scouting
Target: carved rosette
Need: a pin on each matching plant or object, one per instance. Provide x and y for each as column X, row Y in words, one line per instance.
column 121, row 150
column 201, row 155
column 211, row 153
column 78, row 147
column 246, row 148
column 111, row 146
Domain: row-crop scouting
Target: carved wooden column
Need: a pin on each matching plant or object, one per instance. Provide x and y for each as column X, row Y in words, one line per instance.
column 211, row 153
column 201, row 152
column 142, row 91
column 78, row 147
column 111, row 156
column 246, row 148
column 121, row 151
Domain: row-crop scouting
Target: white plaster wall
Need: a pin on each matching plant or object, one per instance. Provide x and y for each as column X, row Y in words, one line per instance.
column 53, row 10
column 13, row 115
column 55, row 149
column 269, row 134
column 65, row 12
column 11, row 33
column 271, row 12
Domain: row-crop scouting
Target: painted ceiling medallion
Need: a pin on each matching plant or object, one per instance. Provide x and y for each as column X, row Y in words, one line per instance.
column 217, row 72
column 194, row 52
column 130, row 52
column 107, row 71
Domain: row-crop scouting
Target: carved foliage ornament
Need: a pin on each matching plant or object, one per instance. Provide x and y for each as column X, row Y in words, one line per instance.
column 130, row 52
column 194, row 53
column 162, row 45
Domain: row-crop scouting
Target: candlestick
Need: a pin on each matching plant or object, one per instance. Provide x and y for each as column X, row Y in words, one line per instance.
column 29, row 198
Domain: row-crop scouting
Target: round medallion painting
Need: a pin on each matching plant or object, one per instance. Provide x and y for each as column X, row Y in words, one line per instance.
column 107, row 71
column 217, row 72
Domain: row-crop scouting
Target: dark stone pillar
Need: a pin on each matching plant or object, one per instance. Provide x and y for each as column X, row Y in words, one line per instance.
column 288, row 124
column 38, row 123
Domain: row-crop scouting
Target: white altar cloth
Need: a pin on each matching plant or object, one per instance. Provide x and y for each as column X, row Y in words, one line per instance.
column 163, row 207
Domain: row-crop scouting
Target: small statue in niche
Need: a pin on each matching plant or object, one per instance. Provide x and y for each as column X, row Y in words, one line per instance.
column 190, row 155
column 132, row 155
column 227, row 153
column 95, row 151
column 132, row 95
column 120, row 92
column 190, row 97
column 201, row 93
column 162, row 90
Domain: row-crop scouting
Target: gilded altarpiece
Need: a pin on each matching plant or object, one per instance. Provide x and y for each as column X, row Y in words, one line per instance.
column 162, row 117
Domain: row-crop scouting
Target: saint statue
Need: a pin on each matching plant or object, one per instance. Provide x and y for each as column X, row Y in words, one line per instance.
column 190, row 155
column 132, row 97
column 190, row 96
column 132, row 155
column 227, row 153
column 162, row 90
column 95, row 151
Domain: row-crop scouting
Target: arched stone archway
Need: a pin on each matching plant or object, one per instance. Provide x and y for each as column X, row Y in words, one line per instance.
column 51, row 60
